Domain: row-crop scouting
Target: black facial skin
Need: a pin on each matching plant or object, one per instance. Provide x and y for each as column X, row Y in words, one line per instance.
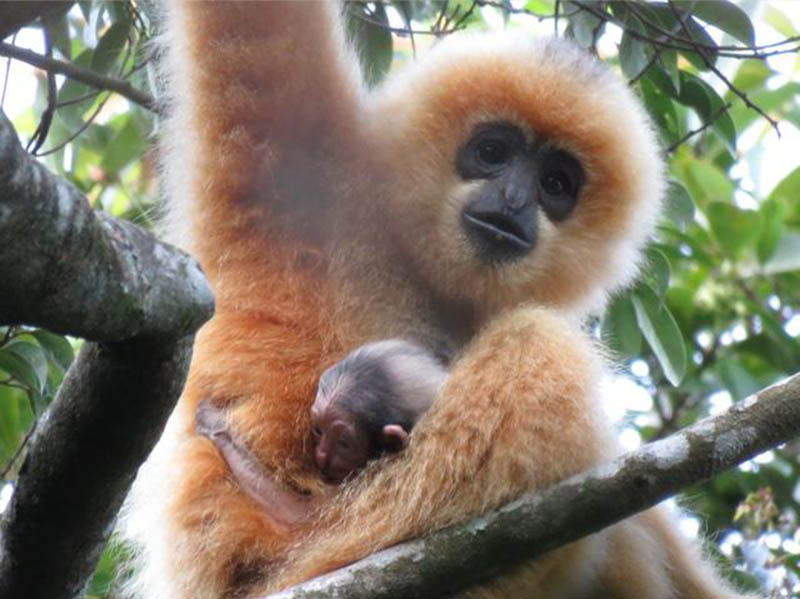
column 520, row 179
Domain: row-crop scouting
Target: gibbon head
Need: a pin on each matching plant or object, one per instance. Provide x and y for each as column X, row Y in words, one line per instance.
column 525, row 171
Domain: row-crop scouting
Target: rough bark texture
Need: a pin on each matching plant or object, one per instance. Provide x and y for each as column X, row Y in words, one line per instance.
column 104, row 421
column 577, row 507
column 14, row 15
column 73, row 270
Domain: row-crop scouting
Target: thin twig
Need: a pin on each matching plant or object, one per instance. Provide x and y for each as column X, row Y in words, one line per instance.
column 524, row 11
column 645, row 68
column 404, row 10
column 436, row 27
column 9, row 382
column 460, row 23
column 556, row 9
column 80, row 129
column 120, row 86
column 738, row 52
column 46, row 119
column 389, row 28
column 23, row 444
column 8, row 71
column 718, row 73
column 703, row 127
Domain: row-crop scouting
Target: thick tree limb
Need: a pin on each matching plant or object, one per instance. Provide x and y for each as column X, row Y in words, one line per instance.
column 74, row 270
column 456, row 557
column 15, row 15
column 106, row 418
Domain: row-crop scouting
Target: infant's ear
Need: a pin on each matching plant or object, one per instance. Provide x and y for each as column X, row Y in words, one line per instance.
column 395, row 437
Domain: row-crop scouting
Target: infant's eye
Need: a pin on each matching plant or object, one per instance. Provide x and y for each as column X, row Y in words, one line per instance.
column 342, row 444
column 316, row 431
column 493, row 152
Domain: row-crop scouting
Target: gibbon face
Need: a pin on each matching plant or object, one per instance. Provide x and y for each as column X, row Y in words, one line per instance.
column 527, row 172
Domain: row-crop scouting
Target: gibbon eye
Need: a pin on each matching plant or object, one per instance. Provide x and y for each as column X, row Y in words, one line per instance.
column 493, row 152
column 490, row 149
column 560, row 182
column 555, row 183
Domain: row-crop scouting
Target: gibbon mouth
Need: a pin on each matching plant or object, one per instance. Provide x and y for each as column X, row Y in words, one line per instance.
column 502, row 233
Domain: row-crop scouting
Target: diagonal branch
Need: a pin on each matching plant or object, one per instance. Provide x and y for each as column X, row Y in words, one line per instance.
column 74, row 270
column 722, row 110
column 15, row 15
column 702, row 53
column 77, row 271
column 447, row 560
column 51, row 65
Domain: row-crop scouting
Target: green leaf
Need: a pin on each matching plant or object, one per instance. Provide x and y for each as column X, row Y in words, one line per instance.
column 728, row 17
column 660, row 107
column 58, row 29
column 128, row 144
column 668, row 59
column 657, row 272
column 86, row 9
column 110, row 46
column 662, row 75
column 584, row 27
column 33, row 355
column 10, row 425
column 737, row 380
column 18, row 368
column 707, row 183
column 779, row 21
column 679, row 205
column 71, row 90
column 682, row 301
column 786, row 192
column 370, row 30
column 786, row 257
column 662, row 333
column 709, row 106
column 634, row 55
column 620, row 330
column 734, row 228
column 120, row 11
column 698, row 34
column 56, row 346
column 772, row 217
column 540, row 7
column 751, row 74
column 778, row 102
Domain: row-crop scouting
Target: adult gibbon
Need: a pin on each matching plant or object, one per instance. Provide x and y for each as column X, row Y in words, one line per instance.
column 486, row 199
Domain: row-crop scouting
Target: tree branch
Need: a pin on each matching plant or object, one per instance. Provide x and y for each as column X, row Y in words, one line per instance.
column 457, row 557
column 701, row 52
column 15, row 15
column 722, row 110
column 81, row 461
column 73, row 270
column 51, row 65
column 80, row 272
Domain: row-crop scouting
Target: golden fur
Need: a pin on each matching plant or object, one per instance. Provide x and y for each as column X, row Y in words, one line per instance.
column 326, row 216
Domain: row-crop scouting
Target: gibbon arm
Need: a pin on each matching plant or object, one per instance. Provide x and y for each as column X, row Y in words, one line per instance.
column 513, row 431
column 516, row 433
column 236, row 71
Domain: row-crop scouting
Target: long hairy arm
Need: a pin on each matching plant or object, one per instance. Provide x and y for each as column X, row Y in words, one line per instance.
column 261, row 92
